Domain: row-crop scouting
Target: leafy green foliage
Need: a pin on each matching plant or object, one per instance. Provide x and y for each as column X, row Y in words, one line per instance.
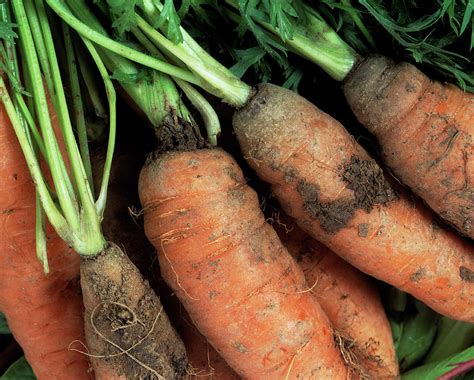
column 433, row 37
column 3, row 325
column 19, row 370
column 417, row 335
column 171, row 21
column 282, row 15
column 123, row 13
column 413, row 325
column 452, row 337
column 7, row 31
column 435, row 370
column 438, row 35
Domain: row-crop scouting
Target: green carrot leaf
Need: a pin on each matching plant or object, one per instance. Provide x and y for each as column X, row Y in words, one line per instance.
column 123, row 13
column 19, row 370
column 245, row 59
column 435, row 370
column 3, row 325
column 7, row 31
column 293, row 77
column 170, row 19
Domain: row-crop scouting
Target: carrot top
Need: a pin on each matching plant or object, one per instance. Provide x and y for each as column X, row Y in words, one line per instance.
column 68, row 201
column 438, row 36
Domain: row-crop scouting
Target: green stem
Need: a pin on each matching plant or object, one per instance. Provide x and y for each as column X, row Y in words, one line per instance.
column 117, row 47
column 215, row 78
column 147, row 94
column 92, row 241
column 66, row 200
column 23, row 110
column 355, row 17
column 318, row 43
column 54, row 215
column 37, row 34
column 111, row 97
column 40, row 235
column 91, row 84
column 77, row 103
column 207, row 112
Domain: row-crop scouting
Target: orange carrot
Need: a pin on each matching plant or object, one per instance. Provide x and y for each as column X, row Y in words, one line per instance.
column 339, row 195
column 204, row 361
column 240, row 286
column 349, row 299
column 426, row 131
column 44, row 312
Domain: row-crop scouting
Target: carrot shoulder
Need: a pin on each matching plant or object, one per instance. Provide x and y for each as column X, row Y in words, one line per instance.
column 349, row 299
column 426, row 131
column 44, row 312
column 240, row 286
column 339, row 195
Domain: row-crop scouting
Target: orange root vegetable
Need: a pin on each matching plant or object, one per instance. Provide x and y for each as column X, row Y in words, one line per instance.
column 349, row 299
column 204, row 361
column 121, row 308
column 339, row 195
column 44, row 312
column 426, row 131
column 125, row 322
column 243, row 290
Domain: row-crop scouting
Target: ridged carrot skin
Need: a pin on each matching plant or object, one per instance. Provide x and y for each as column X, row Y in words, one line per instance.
column 339, row 195
column 44, row 312
column 348, row 297
column 243, row 290
column 426, row 131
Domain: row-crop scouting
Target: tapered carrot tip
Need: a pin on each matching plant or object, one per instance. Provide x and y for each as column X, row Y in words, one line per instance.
column 426, row 131
column 350, row 300
column 128, row 333
column 341, row 197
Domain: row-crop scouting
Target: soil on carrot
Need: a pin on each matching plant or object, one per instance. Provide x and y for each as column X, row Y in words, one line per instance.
column 466, row 274
column 365, row 178
column 176, row 134
column 126, row 325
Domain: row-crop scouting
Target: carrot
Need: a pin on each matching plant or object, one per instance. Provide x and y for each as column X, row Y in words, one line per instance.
column 119, row 226
column 128, row 334
column 349, row 299
column 240, row 286
column 44, row 312
column 426, row 131
column 204, row 360
column 425, row 128
column 339, row 195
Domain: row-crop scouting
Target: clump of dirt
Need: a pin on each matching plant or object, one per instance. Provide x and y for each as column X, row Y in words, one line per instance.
column 176, row 134
column 466, row 274
column 368, row 182
column 369, row 185
column 127, row 330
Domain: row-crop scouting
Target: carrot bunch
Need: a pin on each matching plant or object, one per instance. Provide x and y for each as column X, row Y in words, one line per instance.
column 271, row 302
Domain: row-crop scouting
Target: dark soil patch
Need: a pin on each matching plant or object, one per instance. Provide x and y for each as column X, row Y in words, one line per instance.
column 176, row 134
column 466, row 274
column 369, row 185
